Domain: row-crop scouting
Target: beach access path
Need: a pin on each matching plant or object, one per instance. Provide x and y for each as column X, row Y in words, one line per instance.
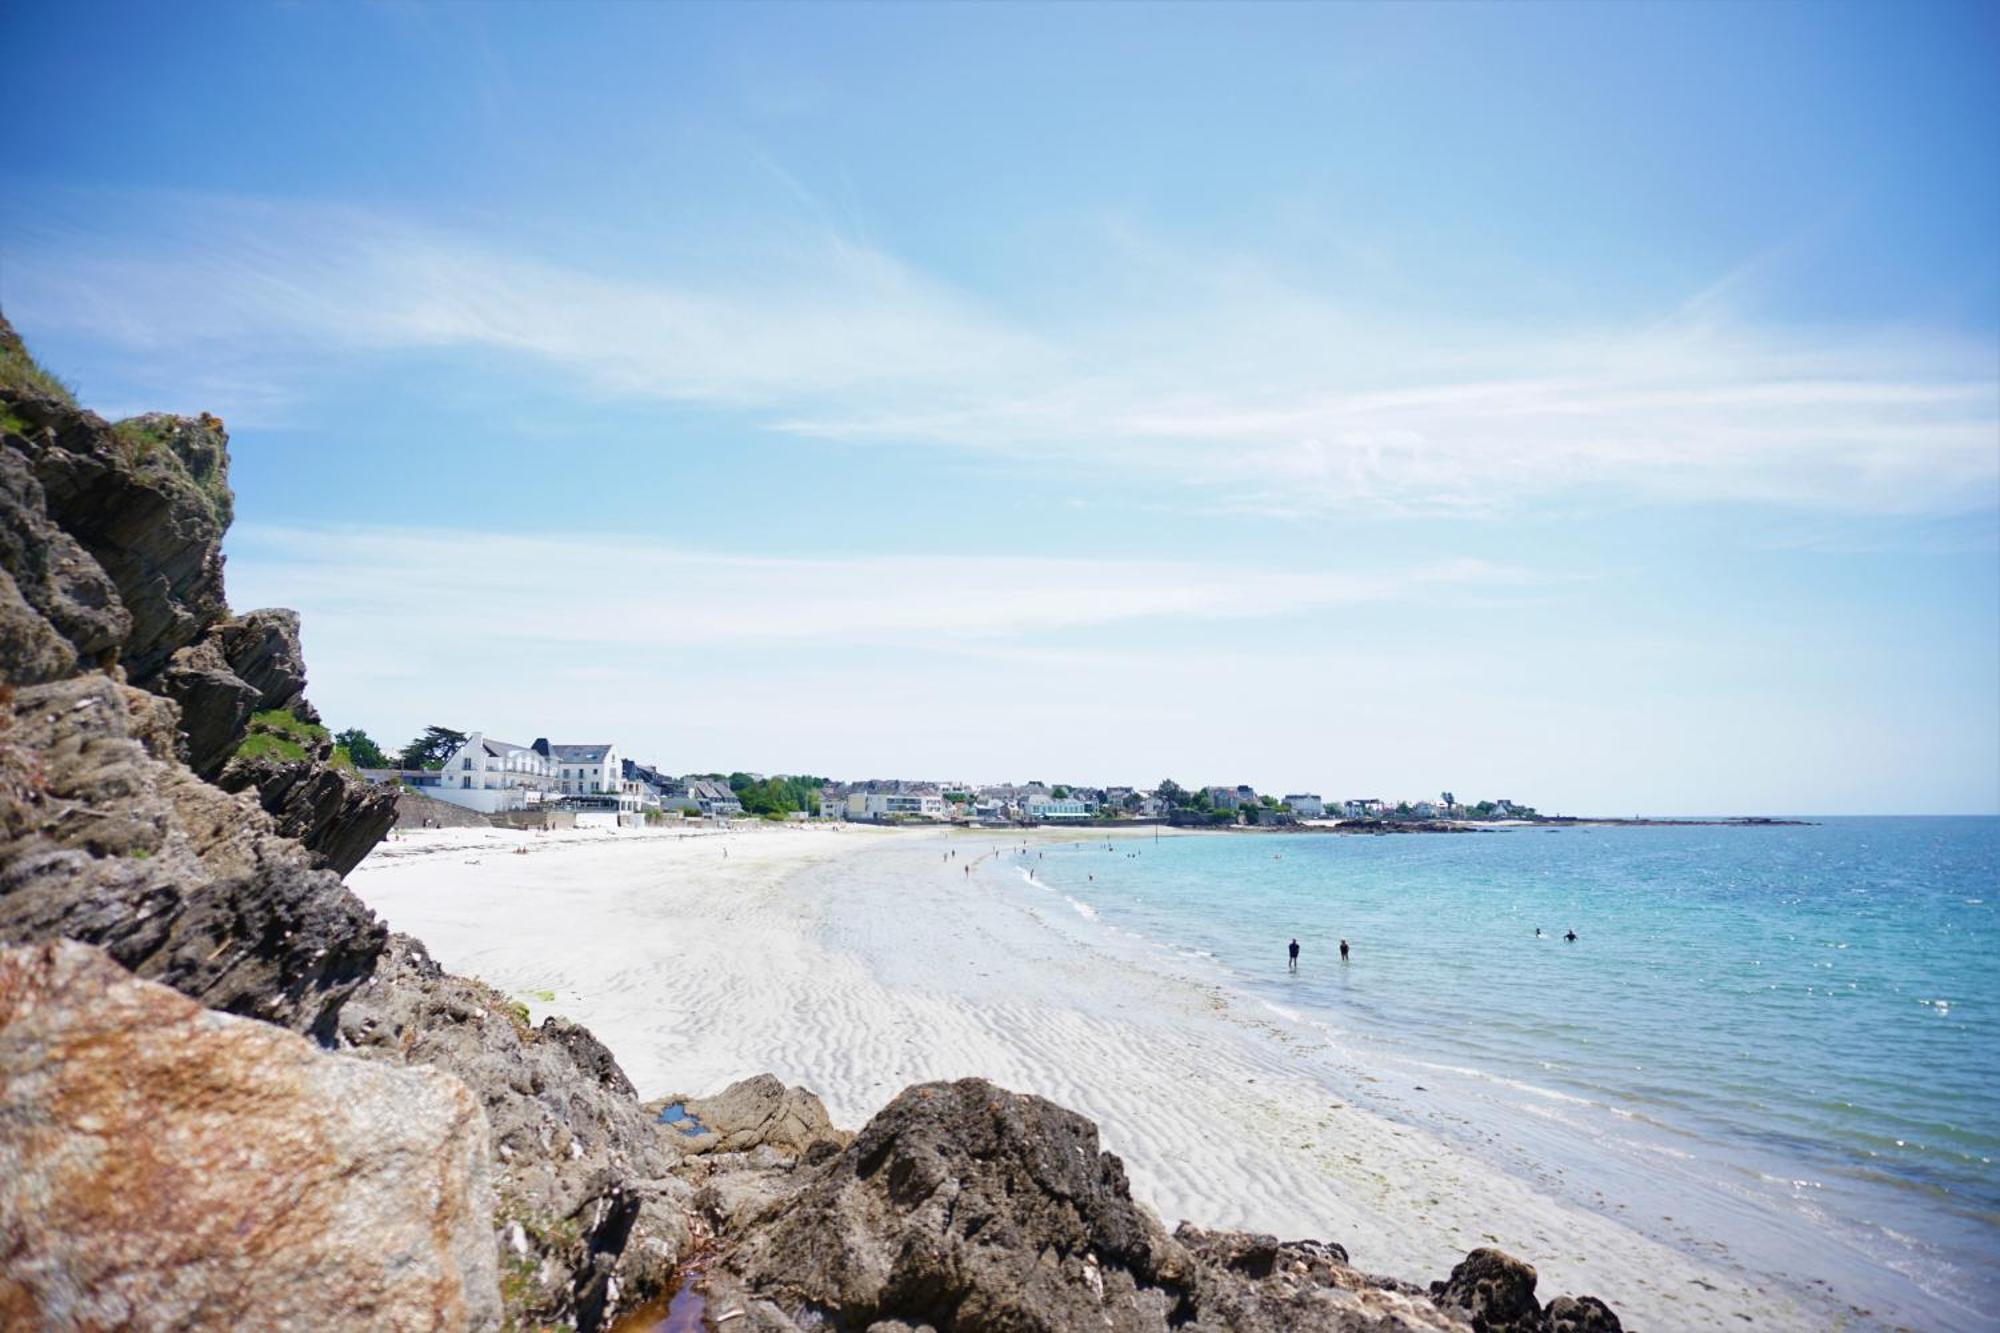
column 855, row 961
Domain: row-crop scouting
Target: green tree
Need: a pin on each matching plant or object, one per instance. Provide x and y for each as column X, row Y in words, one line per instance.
column 364, row 752
column 1060, row 793
column 431, row 749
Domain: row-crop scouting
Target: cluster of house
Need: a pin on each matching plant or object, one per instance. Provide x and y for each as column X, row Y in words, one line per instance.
column 882, row 801
column 597, row 782
column 495, row 777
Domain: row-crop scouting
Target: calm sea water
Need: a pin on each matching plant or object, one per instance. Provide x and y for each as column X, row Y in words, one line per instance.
column 1782, row 1044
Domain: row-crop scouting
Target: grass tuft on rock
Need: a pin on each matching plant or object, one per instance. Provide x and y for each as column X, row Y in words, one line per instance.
column 19, row 370
column 276, row 734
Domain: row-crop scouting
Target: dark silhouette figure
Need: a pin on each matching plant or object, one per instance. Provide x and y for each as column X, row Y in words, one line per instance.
column 1570, row 936
column 1343, row 951
column 1294, row 951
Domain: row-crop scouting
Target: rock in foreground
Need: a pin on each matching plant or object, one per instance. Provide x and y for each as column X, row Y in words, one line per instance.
column 965, row 1207
column 165, row 1166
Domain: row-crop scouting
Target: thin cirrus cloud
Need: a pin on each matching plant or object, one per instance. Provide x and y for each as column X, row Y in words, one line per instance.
column 432, row 591
column 1221, row 376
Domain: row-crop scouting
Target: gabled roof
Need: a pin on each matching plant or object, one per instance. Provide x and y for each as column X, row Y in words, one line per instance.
column 499, row 749
column 579, row 754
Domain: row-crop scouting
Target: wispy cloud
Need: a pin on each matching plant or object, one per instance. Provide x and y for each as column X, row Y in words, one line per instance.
column 1207, row 371
column 433, row 591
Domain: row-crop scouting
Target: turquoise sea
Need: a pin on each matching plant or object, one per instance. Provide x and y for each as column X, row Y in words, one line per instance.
column 1777, row 1044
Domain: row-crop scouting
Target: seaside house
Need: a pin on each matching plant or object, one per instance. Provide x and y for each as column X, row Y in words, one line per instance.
column 878, row 806
column 490, row 775
column 1306, row 805
column 582, row 770
column 656, row 789
column 713, row 798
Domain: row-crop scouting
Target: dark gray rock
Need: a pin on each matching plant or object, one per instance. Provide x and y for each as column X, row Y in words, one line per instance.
column 337, row 818
column 215, row 704
column 962, row 1206
column 263, row 649
column 1496, row 1289
column 105, row 838
column 1581, row 1314
column 148, row 501
column 58, row 610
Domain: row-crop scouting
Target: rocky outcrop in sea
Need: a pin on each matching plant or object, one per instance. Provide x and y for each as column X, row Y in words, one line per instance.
column 229, row 1098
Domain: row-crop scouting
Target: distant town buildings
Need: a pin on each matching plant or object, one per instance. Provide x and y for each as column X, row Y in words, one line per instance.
column 596, row 781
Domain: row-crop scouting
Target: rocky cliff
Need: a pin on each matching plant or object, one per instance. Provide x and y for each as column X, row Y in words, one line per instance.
column 233, row 1100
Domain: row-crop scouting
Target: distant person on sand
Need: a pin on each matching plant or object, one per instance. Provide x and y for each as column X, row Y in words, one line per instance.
column 1343, row 951
column 1294, row 951
column 1571, row 935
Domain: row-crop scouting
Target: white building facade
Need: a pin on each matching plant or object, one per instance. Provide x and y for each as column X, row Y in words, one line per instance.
column 879, row 805
column 492, row 775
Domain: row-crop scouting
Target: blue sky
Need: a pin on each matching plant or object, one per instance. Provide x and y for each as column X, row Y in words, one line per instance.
column 1590, row 405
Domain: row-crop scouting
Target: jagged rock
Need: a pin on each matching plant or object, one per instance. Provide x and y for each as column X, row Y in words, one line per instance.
column 756, row 1112
column 57, row 607
column 215, row 704
column 335, row 817
column 1581, row 1314
column 588, row 1206
column 963, row 1205
column 263, row 649
column 1496, row 1289
column 105, row 839
column 149, row 505
column 164, row 1167
column 240, row 667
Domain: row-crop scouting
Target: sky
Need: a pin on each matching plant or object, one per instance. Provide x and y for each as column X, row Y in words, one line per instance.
column 1596, row 406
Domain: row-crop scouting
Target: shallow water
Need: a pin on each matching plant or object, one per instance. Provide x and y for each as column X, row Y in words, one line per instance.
column 1778, row 1044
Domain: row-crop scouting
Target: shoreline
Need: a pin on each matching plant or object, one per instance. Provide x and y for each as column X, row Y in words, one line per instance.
column 804, row 952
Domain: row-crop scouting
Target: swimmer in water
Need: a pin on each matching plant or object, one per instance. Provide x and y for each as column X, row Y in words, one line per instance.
column 1570, row 935
column 1293, row 966
column 1343, row 951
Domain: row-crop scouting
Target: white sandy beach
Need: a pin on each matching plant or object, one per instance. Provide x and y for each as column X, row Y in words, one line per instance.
column 855, row 961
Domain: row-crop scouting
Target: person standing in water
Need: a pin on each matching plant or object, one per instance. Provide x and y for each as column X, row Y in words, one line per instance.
column 1343, row 951
column 1293, row 966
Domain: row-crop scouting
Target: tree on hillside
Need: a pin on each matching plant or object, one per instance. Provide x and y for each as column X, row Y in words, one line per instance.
column 431, row 749
column 1061, row 793
column 363, row 751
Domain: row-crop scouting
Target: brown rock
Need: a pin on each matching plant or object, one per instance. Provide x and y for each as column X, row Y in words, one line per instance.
column 590, row 1216
column 1581, row 1314
column 167, row 1167
column 754, row 1113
